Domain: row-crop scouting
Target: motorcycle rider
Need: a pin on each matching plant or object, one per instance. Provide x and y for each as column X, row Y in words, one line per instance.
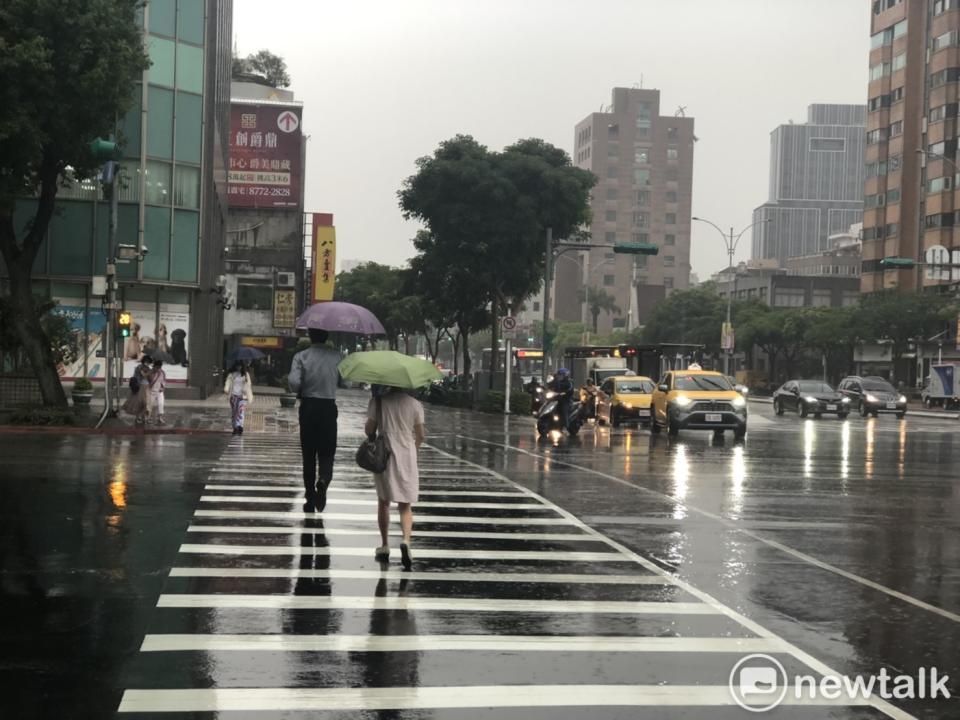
column 590, row 395
column 562, row 385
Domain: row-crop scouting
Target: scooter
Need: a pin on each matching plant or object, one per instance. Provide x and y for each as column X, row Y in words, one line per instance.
column 537, row 395
column 548, row 417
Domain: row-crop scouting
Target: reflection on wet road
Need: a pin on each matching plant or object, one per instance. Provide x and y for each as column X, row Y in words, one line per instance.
column 614, row 575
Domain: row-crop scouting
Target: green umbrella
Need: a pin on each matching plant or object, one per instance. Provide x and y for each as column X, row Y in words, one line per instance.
column 386, row 367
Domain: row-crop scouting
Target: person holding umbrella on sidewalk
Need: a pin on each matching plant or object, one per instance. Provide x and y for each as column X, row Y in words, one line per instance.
column 314, row 378
column 399, row 418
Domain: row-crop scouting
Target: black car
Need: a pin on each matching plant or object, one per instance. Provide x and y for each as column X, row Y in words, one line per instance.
column 873, row 395
column 810, row 397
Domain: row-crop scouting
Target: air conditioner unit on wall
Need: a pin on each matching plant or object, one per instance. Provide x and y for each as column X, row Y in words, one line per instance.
column 286, row 279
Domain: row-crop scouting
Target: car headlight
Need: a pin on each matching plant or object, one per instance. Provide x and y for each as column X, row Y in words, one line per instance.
column 845, row 400
column 810, row 399
column 681, row 401
column 627, row 405
column 902, row 399
column 551, row 394
column 871, row 398
column 739, row 401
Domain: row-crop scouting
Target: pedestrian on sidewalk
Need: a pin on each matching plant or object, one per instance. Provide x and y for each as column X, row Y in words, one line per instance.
column 314, row 378
column 402, row 424
column 239, row 388
column 138, row 404
column 157, row 384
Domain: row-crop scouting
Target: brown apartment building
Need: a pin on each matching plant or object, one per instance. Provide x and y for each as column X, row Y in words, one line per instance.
column 644, row 162
column 910, row 196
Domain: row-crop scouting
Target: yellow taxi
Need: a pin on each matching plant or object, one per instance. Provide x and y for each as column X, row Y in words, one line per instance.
column 698, row 399
column 625, row 397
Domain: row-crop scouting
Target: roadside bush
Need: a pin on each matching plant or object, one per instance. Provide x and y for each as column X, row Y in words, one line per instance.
column 492, row 402
column 82, row 385
column 457, row 398
column 42, row 416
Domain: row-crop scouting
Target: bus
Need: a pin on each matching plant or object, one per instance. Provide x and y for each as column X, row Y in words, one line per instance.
column 527, row 362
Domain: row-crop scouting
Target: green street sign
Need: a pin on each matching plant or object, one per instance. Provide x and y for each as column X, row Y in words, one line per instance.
column 105, row 150
column 636, row 249
column 898, row 262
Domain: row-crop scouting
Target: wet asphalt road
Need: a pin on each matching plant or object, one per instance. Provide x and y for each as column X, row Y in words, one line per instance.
column 633, row 572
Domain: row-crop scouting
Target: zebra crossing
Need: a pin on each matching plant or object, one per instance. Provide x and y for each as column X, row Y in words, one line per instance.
column 514, row 609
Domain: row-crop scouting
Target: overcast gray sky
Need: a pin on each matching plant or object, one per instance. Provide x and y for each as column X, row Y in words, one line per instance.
column 384, row 81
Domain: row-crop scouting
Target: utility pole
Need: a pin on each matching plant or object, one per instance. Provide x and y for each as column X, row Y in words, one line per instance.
column 547, row 285
column 555, row 250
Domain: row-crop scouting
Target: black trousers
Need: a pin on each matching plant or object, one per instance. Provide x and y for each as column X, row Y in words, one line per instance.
column 318, row 442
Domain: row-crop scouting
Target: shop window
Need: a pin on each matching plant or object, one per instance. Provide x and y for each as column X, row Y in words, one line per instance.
column 254, row 294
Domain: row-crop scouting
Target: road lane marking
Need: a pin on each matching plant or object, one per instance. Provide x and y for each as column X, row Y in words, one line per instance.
column 452, row 697
column 475, row 643
column 302, row 530
column 916, row 602
column 351, row 501
column 295, row 550
column 755, row 627
column 365, row 517
column 477, row 575
column 298, row 489
column 365, row 602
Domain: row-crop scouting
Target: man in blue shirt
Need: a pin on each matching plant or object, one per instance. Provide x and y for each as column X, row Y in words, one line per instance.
column 314, row 378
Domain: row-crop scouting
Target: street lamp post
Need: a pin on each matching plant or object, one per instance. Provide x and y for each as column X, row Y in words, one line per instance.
column 731, row 242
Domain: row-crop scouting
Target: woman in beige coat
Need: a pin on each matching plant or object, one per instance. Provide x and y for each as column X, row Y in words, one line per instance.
column 403, row 427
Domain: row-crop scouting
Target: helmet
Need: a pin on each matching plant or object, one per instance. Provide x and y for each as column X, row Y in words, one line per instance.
column 562, row 372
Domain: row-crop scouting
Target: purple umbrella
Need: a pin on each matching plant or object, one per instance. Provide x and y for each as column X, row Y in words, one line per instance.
column 340, row 317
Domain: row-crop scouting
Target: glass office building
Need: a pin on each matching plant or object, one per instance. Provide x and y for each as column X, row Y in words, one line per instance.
column 171, row 200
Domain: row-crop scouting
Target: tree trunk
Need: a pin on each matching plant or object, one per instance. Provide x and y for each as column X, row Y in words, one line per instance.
column 455, row 339
column 595, row 312
column 406, row 344
column 19, row 262
column 36, row 345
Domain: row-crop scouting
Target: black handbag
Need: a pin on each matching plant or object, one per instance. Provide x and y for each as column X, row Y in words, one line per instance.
column 374, row 452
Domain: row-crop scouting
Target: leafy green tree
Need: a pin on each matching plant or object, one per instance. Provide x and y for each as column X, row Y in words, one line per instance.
column 263, row 62
column 487, row 215
column 834, row 333
column 688, row 316
column 379, row 288
column 598, row 300
column 69, row 70
column 902, row 317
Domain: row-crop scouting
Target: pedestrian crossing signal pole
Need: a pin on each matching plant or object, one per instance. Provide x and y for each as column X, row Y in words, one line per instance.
column 109, row 152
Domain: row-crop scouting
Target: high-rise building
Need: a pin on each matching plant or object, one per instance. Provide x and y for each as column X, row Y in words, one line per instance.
column 816, row 183
column 172, row 200
column 911, row 178
column 644, row 162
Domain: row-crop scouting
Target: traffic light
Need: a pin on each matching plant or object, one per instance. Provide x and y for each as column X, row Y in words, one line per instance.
column 636, row 249
column 124, row 321
column 898, row 262
column 105, row 150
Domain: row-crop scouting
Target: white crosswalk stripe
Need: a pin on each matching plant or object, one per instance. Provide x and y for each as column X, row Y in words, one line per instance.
column 501, row 577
